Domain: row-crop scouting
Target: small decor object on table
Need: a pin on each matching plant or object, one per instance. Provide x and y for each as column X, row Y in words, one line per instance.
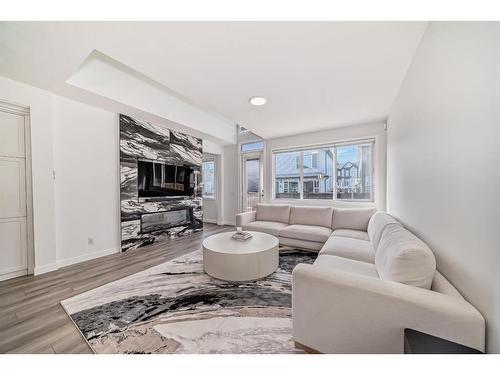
column 239, row 235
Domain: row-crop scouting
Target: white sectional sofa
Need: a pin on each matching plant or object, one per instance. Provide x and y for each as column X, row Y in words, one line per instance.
column 306, row 227
column 371, row 280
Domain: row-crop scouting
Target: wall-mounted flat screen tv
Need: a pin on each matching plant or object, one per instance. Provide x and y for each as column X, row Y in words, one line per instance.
column 156, row 179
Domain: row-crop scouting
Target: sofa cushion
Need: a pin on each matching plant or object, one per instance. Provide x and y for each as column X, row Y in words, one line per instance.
column 404, row 258
column 273, row 212
column 351, row 248
column 376, row 226
column 301, row 244
column 270, row 227
column 306, row 232
column 320, row 216
column 352, row 218
column 351, row 233
column 346, row 265
column 440, row 284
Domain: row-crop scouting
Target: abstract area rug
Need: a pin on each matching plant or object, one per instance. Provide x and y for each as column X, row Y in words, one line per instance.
column 176, row 308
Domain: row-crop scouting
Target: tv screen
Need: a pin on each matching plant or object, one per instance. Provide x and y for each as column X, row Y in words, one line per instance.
column 156, row 179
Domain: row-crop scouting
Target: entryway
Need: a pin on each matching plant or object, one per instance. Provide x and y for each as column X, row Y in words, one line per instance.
column 15, row 192
column 252, row 184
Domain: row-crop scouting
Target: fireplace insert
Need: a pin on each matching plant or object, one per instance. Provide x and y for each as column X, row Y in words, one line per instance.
column 179, row 217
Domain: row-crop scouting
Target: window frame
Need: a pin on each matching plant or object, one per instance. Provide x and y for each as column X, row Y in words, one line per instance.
column 213, row 196
column 335, row 174
column 259, row 149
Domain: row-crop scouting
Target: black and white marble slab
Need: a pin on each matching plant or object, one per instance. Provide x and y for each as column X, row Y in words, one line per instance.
column 177, row 308
column 141, row 140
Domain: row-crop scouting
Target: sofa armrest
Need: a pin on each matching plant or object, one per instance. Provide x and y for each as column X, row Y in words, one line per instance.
column 339, row 312
column 245, row 218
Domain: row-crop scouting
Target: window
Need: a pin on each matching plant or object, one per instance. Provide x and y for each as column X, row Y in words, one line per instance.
column 253, row 146
column 287, row 175
column 356, row 160
column 307, row 161
column 208, row 178
column 316, row 186
column 253, row 175
column 318, row 173
column 339, row 171
column 287, row 186
column 311, row 159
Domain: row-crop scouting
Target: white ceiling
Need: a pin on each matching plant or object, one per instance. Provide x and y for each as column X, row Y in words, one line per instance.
column 315, row 75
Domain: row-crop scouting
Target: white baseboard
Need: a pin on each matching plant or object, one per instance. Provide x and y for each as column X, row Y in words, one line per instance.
column 218, row 222
column 45, row 268
column 232, row 223
column 11, row 275
column 69, row 261
column 85, row 257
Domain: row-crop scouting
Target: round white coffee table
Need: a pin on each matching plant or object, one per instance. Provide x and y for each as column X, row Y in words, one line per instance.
column 231, row 260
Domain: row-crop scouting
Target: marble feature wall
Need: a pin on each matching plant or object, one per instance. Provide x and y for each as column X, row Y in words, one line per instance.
column 141, row 140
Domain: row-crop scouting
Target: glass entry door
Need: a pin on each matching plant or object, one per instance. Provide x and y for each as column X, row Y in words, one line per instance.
column 252, row 181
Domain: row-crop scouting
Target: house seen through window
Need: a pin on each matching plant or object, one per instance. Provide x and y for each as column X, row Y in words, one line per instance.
column 341, row 172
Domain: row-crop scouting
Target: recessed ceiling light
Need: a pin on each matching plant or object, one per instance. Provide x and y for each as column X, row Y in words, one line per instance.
column 257, row 100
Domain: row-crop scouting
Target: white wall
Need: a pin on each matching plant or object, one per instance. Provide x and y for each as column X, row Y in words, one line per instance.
column 444, row 158
column 229, row 176
column 39, row 102
column 372, row 130
column 80, row 142
column 87, row 173
column 111, row 79
column 210, row 210
column 212, row 148
column 212, row 207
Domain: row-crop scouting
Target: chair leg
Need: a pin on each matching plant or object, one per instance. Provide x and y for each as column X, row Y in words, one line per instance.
column 305, row 348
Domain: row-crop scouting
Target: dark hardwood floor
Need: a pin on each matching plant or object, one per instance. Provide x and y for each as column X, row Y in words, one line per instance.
column 31, row 317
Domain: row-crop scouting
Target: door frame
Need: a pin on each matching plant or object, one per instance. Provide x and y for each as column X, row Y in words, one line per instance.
column 244, row 157
column 24, row 111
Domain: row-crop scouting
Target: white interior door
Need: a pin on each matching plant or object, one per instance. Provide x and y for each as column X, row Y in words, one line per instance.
column 13, row 208
column 253, row 188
